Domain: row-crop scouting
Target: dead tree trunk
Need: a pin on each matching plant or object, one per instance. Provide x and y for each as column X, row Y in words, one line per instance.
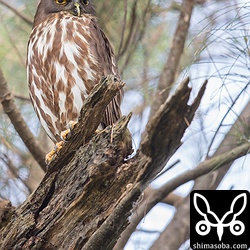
column 90, row 188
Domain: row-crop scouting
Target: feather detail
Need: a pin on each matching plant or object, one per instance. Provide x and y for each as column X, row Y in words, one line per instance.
column 67, row 57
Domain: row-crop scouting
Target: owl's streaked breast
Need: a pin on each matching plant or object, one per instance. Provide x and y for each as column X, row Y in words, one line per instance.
column 59, row 58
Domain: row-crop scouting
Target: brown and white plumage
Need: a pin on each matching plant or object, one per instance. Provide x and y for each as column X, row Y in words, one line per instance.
column 67, row 55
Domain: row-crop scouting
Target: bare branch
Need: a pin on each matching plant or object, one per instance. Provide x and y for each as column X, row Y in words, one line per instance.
column 159, row 194
column 167, row 168
column 203, row 168
column 168, row 75
column 18, row 122
column 136, row 30
column 21, row 97
column 172, row 199
column 123, row 28
column 209, row 181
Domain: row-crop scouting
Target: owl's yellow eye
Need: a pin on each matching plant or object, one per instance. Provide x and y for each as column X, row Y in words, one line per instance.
column 61, row 1
column 86, row 2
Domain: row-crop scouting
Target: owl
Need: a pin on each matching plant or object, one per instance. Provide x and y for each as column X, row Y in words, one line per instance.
column 68, row 54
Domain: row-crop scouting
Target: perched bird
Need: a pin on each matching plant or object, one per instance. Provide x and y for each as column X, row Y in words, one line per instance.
column 68, row 54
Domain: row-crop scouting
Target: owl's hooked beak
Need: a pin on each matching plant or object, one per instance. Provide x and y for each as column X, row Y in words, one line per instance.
column 77, row 9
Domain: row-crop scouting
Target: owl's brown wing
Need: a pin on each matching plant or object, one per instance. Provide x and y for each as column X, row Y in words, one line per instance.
column 102, row 50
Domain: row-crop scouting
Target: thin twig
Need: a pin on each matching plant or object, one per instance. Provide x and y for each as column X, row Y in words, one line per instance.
column 21, row 97
column 14, row 171
column 167, row 169
column 224, row 117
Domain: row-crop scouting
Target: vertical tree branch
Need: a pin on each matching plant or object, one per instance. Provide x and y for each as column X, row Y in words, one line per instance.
column 167, row 77
column 18, row 122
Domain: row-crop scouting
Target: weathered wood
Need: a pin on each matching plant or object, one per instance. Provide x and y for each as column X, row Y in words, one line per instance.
column 166, row 128
column 76, row 199
column 6, row 211
column 89, row 120
column 90, row 188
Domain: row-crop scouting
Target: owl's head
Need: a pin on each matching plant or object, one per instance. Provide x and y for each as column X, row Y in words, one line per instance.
column 74, row 7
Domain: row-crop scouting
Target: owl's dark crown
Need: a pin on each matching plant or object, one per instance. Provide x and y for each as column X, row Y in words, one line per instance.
column 74, row 7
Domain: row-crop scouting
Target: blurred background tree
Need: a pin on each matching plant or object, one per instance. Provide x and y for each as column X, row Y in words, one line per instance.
column 217, row 48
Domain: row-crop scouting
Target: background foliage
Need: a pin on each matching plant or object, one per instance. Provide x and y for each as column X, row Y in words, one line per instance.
column 141, row 31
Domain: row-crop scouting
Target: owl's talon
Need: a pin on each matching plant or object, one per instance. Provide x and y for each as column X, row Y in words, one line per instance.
column 58, row 146
column 68, row 132
column 64, row 134
column 54, row 152
column 50, row 156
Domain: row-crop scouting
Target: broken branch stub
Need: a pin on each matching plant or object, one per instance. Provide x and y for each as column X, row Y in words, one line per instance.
column 89, row 120
column 166, row 128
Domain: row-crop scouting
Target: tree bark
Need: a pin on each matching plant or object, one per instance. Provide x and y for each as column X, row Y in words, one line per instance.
column 88, row 192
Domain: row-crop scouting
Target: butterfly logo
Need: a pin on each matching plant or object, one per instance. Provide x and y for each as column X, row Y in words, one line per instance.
column 203, row 227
